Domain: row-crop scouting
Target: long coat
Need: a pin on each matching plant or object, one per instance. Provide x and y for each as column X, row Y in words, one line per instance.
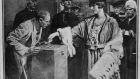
column 22, row 38
column 23, row 16
column 110, row 34
column 130, row 42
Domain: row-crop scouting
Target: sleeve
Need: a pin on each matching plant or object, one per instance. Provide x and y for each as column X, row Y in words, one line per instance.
column 79, row 30
column 15, row 38
column 67, row 35
column 116, row 29
column 115, row 44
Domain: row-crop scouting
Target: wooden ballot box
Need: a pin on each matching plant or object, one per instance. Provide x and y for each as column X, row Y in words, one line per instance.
column 49, row 63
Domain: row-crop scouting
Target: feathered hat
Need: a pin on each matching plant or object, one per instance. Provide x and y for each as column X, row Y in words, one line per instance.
column 131, row 4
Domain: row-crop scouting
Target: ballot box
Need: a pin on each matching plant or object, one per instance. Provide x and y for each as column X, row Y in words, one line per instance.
column 49, row 63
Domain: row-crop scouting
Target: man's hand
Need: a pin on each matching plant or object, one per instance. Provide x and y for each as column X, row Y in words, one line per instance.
column 42, row 43
column 34, row 49
column 50, row 38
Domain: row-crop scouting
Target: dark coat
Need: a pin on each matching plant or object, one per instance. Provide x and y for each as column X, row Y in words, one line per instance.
column 64, row 19
column 23, row 16
column 118, row 19
column 130, row 42
column 61, row 20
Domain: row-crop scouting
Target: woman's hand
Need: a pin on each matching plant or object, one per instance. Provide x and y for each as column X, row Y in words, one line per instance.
column 51, row 36
column 106, row 48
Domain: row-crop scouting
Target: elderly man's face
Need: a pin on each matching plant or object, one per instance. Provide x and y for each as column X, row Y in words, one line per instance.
column 44, row 22
column 130, row 11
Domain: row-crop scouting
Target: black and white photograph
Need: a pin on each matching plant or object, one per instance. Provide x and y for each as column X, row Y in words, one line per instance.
column 69, row 39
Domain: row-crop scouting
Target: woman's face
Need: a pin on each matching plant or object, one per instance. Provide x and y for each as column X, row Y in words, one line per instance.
column 95, row 9
column 130, row 11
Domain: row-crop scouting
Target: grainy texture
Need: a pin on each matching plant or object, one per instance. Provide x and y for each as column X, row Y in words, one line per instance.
column 50, row 63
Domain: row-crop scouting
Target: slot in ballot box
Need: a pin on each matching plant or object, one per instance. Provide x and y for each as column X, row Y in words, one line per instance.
column 49, row 63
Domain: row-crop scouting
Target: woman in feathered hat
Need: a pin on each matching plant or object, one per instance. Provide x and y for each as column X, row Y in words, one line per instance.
column 130, row 33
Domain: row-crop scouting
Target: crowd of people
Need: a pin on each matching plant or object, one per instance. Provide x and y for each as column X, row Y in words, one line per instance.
column 95, row 38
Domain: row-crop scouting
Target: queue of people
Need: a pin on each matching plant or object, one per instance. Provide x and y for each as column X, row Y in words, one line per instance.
column 101, row 35
column 128, row 25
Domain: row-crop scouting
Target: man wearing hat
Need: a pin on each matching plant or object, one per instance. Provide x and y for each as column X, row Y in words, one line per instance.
column 65, row 17
column 118, row 12
column 28, row 13
column 129, row 27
